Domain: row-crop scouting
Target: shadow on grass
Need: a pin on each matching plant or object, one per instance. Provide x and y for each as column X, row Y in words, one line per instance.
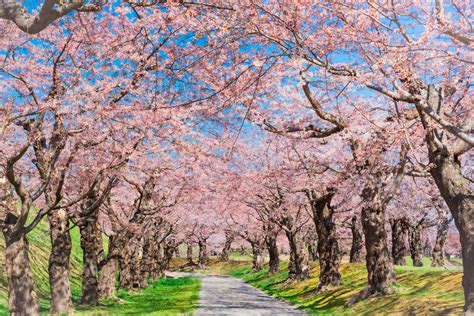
column 427, row 291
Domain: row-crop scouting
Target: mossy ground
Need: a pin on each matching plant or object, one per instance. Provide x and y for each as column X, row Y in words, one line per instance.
column 419, row 291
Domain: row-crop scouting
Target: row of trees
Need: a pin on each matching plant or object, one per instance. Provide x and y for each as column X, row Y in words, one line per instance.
column 137, row 118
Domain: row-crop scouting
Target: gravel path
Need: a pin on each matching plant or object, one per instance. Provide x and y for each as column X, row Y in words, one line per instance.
column 222, row 295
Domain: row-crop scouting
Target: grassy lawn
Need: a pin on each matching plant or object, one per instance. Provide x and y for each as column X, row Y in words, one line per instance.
column 163, row 297
column 419, row 291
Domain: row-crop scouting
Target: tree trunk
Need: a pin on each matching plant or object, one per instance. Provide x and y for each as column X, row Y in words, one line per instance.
column 148, row 261
column 139, row 279
column 257, row 255
column 229, row 238
column 108, row 269
column 59, row 262
column 298, row 266
column 381, row 276
column 399, row 249
column 328, row 247
column 189, row 253
column 453, row 186
column 129, row 262
column 456, row 192
column 312, row 245
column 441, row 235
column 357, row 241
column 203, row 256
column 427, row 248
column 274, row 263
column 168, row 250
column 90, row 249
column 22, row 299
column 159, row 257
column 313, row 251
column 416, row 245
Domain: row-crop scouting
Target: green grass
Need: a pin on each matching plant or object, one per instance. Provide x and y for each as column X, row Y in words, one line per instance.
column 239, row 256
column 418, row 290
column 163, row 297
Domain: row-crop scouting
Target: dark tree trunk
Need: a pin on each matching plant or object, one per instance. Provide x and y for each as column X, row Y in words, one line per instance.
column 257, row 255
column 22, row 299
column 189, row 253
column 159, row 258
column 229, row 238
column 298, row 266
column 139, row 280
column 381, row 276
column 274, row 263
column 312, row 245
column 107, row 273
column 357, row 241
column 416, row 245
column 168, row 250
column 59, row 262
column 130, row 261
column 441, row 235
column 456, row 192
column 148, row 261
column 90, row 249
column 313, row 251
column 156, row 257
column 453, row 186
column 203, row 255
column 399, row 249
column 328, row 247
column 427, row 248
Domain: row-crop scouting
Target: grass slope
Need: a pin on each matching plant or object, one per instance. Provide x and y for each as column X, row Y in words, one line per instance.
column 419, row 291
column 166, row 296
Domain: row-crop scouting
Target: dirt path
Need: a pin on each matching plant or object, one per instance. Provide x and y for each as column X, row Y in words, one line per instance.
column 222, row 295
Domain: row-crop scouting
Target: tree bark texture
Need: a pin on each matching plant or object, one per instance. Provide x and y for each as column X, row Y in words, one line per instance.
column 273, row 253
column 257, row 255
column 399, row 235
column 203, row 254
column 90, row 244
column 416, row 244
column 441, row 235
column 328, row 246
column 357, row 241
column 453, row 186
column 298, row 266
column 107, row 270
column 381, row 275
column 59, row 262
column 189, row 253
column 229, row 238
column 22, row 299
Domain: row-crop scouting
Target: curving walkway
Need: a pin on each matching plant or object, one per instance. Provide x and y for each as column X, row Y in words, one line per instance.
column 221, row 295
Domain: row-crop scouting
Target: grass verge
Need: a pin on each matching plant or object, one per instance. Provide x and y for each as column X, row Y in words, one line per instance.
column 167, row 296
